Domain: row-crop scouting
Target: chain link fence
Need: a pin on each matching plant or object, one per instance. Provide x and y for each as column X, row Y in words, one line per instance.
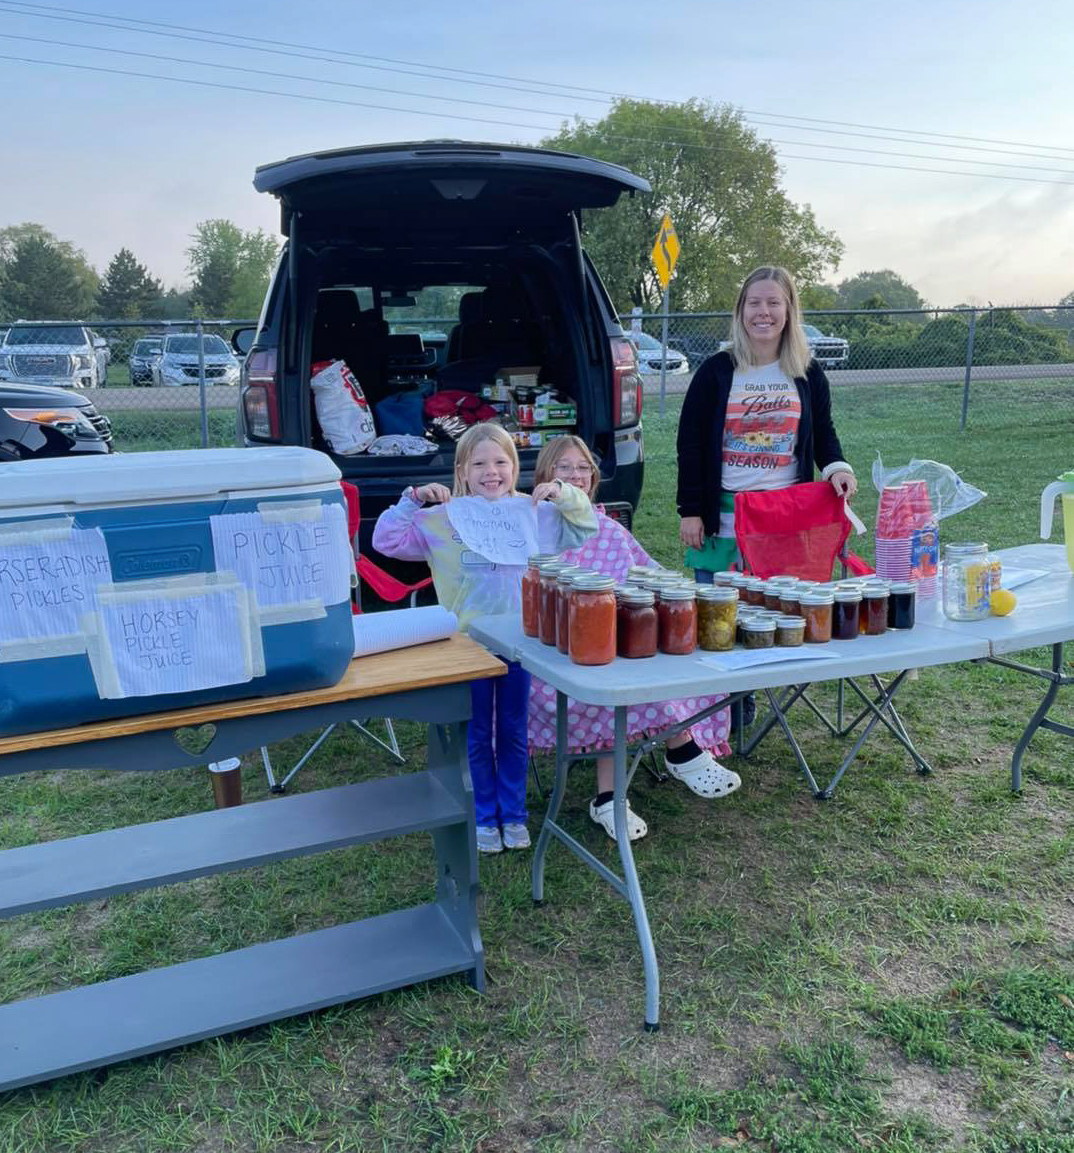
column 175, row 383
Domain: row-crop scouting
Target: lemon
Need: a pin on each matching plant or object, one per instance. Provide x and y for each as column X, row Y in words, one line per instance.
column 1002, row 602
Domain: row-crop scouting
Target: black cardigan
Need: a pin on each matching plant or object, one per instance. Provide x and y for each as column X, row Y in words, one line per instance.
column 700, row 436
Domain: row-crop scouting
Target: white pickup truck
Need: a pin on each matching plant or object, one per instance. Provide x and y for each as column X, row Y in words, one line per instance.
column 53, row 353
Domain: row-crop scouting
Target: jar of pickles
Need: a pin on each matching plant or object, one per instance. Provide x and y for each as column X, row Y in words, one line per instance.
column 902, row 604
column 531, row 582
column 564, row 580
column 637, row 628
column 591, row 615
column 817, row 611
column 546, row 600
column 759, row 633
column 717, row 607
column 846, row 612
column 874, row 609
column 970, row 576
column 790, row 631
column 677, row 614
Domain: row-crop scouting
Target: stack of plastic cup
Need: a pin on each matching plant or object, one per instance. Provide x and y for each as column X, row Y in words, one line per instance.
column 907, row 539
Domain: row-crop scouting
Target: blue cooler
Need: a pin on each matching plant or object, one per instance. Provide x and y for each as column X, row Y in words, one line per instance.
column 150, row 581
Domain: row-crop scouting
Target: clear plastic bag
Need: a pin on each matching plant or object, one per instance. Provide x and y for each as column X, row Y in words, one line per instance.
column 948, row 493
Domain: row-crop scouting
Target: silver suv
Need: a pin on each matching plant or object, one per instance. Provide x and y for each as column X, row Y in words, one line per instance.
column 53, row 353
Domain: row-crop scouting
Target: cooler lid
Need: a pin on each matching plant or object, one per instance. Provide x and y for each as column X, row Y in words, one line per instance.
column 145, row 477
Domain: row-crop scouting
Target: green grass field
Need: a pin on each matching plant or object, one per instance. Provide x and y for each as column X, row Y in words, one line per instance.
column 892, row 970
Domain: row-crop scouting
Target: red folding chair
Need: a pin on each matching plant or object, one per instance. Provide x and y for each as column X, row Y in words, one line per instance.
column 389, row 589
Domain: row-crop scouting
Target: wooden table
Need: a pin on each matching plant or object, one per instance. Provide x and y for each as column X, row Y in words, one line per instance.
column 95, row 1025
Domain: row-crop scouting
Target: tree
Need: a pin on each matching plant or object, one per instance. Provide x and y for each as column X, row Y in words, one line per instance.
column 818, row 296
column 42, row 277
column 721, row 186
column 230, row 268
column 892, row 290
column 127, row 290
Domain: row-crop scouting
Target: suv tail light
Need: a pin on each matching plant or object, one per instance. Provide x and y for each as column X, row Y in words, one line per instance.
column 260, row 396
column 626, row 390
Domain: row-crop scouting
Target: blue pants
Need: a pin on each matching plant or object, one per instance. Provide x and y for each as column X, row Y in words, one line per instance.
column 498, row 746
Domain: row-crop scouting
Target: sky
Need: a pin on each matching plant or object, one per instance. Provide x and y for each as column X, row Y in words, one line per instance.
column 107, row 159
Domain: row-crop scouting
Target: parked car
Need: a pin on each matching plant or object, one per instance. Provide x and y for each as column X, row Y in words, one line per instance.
column 652, row 355
column 36, row 422
column 145, row 351
column 53, row 353
column 178, row 360
column 828, row 351
column 370, row 228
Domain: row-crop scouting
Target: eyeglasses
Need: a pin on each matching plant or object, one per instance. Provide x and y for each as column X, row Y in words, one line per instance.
column 571, row 469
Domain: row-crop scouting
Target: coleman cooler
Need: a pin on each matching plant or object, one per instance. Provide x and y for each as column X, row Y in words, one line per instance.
column 157, row 580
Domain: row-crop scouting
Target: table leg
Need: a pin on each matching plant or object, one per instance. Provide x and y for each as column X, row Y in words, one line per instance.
column 226, row 777
column 554, row 801
column 630, row 875
column 1038, row 721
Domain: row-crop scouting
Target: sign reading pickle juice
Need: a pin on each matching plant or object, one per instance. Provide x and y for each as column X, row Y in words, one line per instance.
column 170, row 644
column 287, row 561
column 48, row 580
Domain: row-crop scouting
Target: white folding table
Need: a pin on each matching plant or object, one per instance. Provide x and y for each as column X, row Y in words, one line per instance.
column 625, row 683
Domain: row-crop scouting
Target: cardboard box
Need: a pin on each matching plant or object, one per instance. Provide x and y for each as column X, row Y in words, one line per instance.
column 518, row 376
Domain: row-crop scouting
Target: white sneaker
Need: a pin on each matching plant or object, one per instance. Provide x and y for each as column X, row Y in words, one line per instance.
column 489, row 839
column 704, row 775
column 516, row 836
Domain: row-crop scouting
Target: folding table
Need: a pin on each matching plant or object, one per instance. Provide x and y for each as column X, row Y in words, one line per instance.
column 626, row 683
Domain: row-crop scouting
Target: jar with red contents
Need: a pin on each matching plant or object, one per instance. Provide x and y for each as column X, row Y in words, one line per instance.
column 531, row 585
column 847, row 611
column 677, row 616
column 874, row 609
column 755, row 592
column 637, row 628
column 564, row 580
column 546, row 601
column 591, row 621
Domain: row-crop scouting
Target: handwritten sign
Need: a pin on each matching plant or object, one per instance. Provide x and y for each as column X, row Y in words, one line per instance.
column 502, row 531
column 46, row 585
column 287, row 561
column 169, row 644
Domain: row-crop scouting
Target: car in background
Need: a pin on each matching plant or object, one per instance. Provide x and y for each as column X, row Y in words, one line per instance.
column 828, row 351
column 652, row 356
column 53, row 353
column 146, row 349
column 178, row 361
column 38, row 422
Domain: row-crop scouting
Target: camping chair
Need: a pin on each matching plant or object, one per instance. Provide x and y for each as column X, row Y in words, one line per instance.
column 389, row 589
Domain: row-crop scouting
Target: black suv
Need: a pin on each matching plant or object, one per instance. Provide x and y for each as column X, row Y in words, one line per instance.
column 489, row 232
column 37, row 422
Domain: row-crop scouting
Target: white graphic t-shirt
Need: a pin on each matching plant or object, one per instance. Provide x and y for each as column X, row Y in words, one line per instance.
column 761, row 430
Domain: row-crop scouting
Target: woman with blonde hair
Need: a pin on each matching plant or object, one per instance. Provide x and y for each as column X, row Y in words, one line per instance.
column 689, row 756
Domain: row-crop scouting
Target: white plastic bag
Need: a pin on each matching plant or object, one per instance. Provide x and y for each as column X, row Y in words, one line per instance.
column 948, row 492
column 342, row 410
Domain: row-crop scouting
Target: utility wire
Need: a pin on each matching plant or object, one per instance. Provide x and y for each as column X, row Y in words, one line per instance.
column 601, row 95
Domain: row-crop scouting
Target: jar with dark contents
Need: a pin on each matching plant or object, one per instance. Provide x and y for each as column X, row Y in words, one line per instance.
column 788, row 601
column 846, row 613
column 790, row 631
column 677, row 613
column 745, row 613
column 755, row 592
column 817, row 610
column 738, row 583
column 636, row 573
column 902, row 604
column 725, row 578
column 531, row 595
column 759, row 633
column 771, row 596
column 546, row 612
column 591, row 616
column 637, row 627
column 564, row 580
column 717, row 608
column 874, row 610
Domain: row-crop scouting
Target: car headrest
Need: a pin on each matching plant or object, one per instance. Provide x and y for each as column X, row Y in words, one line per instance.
column 504, row 302
column 337, row 309
column 471, row 308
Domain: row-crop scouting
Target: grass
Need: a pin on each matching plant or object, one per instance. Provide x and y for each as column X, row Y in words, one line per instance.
column 892, row 970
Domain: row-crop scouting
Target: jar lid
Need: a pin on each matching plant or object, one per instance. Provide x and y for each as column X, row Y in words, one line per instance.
column 638, row 597
column 550, row 567
column 806, row 584
column 718, row 593
column 790, row 622
column 965, row 548
column 568, row 572
column 783, row 580
column 639, row 570
column 817, row 597
column 726, row 576
column 593, row 583
column 847, row 596
column 760, row 625
column 824, row 586
column 872, row 592
column 755, row 584
column 539, row 558
column 903, row 587
column 677, row 592
column 739, row 580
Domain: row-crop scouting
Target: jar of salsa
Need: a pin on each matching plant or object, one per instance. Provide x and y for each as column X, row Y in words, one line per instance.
column 847, row 611
column 531, row 580
column 546, row 601
column 902, row 604
column 677, row 615
column 717, row 607
column 564, row 579
column 591, row 621
column 874, row 609
column 817, row 610
column 637, row 573
column 637, row 628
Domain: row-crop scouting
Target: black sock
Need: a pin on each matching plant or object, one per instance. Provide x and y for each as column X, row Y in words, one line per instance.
column 683, row 753
column 603, row 798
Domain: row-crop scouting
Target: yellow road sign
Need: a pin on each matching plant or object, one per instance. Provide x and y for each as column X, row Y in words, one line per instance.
column 665, row 251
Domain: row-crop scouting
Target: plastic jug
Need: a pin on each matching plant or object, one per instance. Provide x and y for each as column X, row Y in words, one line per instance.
column 1064, row 486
